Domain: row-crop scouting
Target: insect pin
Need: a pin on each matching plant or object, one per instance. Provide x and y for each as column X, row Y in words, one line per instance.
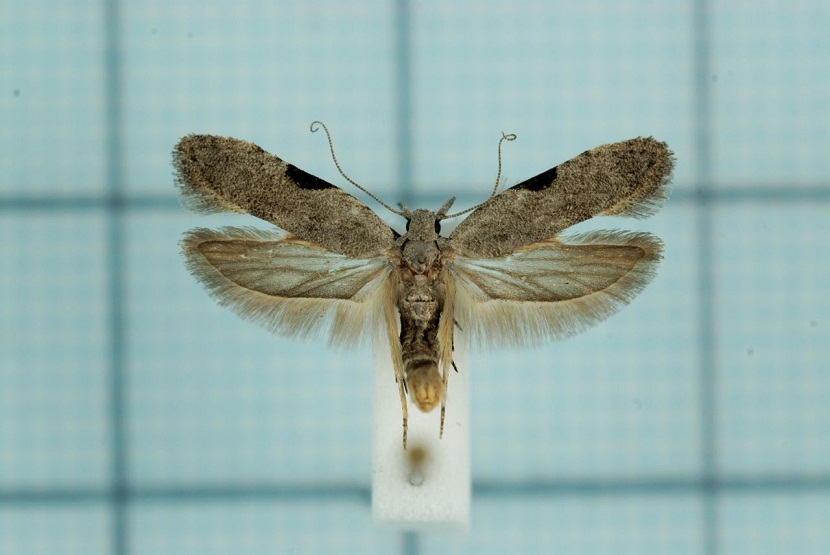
column 506, row 275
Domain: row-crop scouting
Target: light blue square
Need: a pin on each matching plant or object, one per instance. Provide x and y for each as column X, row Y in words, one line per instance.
column 257, row 527
column 771, row 93
column 780, row 522
column 262, row 72
column 54, row 380
column 576, row 523
column 74, row 529
column 774, row 339
column 52, row 99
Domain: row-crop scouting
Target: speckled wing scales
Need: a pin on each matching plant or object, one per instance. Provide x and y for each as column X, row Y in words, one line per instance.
column 551, row 289
column 290, row 286
column 629, row 178
column 219, row 174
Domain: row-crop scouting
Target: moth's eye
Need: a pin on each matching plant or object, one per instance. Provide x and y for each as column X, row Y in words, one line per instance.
column 437, row 226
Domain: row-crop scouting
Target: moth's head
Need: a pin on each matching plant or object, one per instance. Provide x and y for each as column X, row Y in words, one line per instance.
column 424, row 225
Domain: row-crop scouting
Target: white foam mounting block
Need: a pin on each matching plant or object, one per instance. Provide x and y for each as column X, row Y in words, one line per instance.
column 428, row 485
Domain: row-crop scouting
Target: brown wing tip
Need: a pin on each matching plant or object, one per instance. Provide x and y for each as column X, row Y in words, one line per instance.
column 190, row 155
column 652, row 163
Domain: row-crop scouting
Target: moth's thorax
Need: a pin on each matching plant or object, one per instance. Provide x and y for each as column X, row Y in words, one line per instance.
column 421, row 246
column 420, row 257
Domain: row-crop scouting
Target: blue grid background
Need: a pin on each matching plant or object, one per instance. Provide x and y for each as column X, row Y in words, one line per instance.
column 137, row 417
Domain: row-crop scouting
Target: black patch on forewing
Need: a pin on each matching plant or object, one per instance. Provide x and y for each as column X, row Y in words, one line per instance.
column 305, row 180
column 538, row 183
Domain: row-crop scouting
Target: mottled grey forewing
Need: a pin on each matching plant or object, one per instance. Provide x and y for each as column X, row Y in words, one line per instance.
column 629, row 178
column 219, row 174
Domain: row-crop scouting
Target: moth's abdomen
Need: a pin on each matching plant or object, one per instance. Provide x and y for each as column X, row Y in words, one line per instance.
column 426, row 389
column 420, row 311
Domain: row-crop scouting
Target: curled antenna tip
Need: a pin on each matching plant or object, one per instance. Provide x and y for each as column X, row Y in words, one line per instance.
column 504, row 137
column 316, row 124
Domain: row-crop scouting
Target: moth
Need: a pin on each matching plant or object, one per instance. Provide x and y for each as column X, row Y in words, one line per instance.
column 505, row 275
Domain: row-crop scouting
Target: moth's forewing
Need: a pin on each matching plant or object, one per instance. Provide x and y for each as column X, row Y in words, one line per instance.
column 552, row 289
column 288, row 285
column 629, row 178
column 217, row 174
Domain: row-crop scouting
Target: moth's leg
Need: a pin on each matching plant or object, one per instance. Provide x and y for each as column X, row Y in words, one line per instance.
column 404, row 409
column 445, row 377
column 446, row 339
column 390, row 316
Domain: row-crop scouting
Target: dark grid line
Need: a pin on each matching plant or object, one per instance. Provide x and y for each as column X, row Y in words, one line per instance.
column 410, row 543
column 761, row 194
column 113, row 61
column 361, row 493
column 705, row 265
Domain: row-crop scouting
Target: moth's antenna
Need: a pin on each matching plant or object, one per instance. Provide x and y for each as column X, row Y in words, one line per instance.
column 510, row 137
column 314, row 128
column 504, row 137
column 442, row 212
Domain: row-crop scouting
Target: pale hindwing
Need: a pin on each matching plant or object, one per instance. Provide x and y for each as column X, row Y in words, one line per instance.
column 551, row 289
column 290, row 286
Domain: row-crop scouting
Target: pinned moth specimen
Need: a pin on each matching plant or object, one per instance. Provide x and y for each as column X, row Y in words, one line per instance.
column 505, row 275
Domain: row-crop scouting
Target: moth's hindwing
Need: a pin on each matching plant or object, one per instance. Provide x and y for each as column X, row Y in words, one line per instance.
column 290, row 286
column 552, row 289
